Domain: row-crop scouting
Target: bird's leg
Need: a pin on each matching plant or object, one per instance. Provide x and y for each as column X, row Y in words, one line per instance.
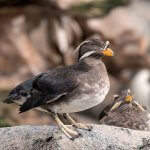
column 77, row 125
column 65, row 129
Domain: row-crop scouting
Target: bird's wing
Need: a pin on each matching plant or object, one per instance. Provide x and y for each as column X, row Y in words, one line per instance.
column 49, row 87
column 56, row 82
column 43, row 89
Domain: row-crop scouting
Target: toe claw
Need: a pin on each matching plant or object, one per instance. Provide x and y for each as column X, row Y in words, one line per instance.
column 76, row 136
column 80, row 135
column 89, row 128
column 72, row 138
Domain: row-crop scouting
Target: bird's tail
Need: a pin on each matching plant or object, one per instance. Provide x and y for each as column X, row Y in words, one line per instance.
column 10, row 99
column 22, row 90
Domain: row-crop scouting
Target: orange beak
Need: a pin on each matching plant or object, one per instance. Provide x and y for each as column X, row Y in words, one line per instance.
column 108, row 52
column 128, row 98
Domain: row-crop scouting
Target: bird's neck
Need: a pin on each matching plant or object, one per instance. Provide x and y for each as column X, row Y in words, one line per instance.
column 88, row 64
column 92, row 62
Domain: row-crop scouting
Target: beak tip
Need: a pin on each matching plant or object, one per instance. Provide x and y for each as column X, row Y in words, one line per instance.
column 108, row 52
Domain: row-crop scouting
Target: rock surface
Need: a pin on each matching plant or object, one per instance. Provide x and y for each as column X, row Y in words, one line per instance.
column 102, row 137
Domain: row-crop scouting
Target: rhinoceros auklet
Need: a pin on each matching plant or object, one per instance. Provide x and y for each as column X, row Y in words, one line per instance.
column 68, row 89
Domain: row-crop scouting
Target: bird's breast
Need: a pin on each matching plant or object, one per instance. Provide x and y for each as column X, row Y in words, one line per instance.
column 91, row 91
column 87, row 96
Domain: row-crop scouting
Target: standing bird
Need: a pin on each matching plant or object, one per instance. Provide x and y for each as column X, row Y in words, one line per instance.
column 67, row 89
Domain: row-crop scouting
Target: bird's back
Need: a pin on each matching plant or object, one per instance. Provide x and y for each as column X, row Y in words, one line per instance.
column 46, row 86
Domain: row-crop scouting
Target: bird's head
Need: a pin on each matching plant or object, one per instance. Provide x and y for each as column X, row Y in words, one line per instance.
column 93, row 47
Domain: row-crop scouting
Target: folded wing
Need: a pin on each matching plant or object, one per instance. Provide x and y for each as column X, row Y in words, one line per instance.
column 43, row 89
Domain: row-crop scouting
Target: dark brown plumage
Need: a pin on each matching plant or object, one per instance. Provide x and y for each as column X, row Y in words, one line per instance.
column 67, row 89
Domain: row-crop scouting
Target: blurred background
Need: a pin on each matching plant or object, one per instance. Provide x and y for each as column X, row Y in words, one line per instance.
column 37, row 35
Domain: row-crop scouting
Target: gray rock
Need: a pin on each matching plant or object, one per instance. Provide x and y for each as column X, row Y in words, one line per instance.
column 102, row 137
